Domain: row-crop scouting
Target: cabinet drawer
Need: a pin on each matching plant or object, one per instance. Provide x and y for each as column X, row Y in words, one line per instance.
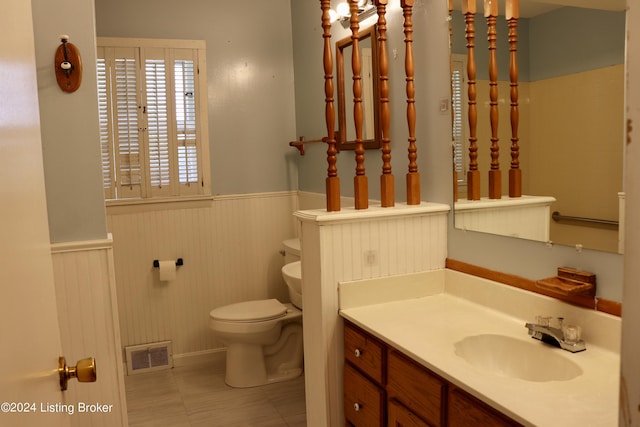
column 399, row 416
column 421, row 391
column 364, row 352
column 465, row 410
column 363, row 400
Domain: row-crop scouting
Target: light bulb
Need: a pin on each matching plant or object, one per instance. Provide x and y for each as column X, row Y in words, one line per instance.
column 343, row 9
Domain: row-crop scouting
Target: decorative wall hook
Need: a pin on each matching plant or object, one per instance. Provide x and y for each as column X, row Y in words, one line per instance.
column 68, row 65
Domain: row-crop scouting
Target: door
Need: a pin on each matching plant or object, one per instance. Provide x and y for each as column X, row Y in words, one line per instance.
column 29, row 332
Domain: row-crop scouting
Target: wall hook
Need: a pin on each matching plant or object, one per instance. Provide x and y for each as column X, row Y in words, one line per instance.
column 68, row 65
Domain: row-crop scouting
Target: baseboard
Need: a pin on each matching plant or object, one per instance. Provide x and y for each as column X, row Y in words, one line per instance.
column 216, row 356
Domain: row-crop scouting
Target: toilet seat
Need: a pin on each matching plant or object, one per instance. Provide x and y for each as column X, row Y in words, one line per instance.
column 250, row 311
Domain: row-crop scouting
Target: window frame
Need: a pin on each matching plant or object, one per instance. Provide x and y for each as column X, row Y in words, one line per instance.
column 202, row 188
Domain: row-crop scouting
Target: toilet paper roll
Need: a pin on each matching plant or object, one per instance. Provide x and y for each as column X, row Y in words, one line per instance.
column 167, row 270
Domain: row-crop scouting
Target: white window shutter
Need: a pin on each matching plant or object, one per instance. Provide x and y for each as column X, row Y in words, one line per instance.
column 151, row 118
column 127, row 123
column 187, row 126
column 458, row 115
column 104, row 121
column 157, row 116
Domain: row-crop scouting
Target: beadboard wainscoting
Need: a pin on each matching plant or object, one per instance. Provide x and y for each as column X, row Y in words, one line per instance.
column 87, row 315
column 230, row 246
column 353, row 245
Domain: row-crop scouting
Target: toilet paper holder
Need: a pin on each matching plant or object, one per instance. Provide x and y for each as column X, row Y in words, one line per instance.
column 156, row 263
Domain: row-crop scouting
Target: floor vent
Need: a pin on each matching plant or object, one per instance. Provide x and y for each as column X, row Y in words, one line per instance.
column 148, row 357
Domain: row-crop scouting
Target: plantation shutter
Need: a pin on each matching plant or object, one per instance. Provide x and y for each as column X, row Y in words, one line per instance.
column 187, row 127
column 125, row 102
column 457, row 106
column 150, row 132
column 157, row 115
column 104, row 120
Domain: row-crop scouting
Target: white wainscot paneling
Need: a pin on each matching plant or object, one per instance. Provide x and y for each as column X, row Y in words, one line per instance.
column 231, row 250
column 526, row 217
column 87, row 312
column 354, row 245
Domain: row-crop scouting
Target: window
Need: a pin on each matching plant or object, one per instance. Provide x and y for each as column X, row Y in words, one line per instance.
column 152, row 110
column 458, row 107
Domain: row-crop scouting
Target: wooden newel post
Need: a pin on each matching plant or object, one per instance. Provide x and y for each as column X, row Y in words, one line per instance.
column 332, row 181
column 515, row 173
column 495, row 175
column 413, row 177
column 473, row 174
column 360, row 181
column 387, row 181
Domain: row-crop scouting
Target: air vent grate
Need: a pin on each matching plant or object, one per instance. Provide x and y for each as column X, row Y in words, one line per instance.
column 148, row 357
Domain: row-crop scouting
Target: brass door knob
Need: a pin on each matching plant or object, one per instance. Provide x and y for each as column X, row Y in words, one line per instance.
column 84, row 371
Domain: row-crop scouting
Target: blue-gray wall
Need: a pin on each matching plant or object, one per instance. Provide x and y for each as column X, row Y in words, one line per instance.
column 69, row 124
column 564, row 41
column 250, row 79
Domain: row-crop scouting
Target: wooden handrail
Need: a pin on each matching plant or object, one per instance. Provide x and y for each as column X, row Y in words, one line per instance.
column 299, row 144
column 413, row 177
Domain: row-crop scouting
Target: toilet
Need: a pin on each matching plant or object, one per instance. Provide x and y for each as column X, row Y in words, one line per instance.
column 264, row 337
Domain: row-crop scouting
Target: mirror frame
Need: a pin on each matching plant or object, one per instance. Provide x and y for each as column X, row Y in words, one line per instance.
column 341, row 45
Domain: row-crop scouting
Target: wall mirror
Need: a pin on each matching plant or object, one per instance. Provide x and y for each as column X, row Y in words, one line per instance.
column 571, row 120
column 346, row 136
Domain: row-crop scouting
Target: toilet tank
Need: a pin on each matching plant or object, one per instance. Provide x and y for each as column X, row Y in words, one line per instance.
column 291, row 250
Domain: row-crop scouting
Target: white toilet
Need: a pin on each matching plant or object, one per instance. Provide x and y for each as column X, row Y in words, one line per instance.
column 264, row 337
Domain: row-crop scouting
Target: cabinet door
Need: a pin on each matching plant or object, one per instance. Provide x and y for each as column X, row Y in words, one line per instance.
column 465, row 410
column 364, row 352
column 399, row 416
column 416, row 387
column 363, row 400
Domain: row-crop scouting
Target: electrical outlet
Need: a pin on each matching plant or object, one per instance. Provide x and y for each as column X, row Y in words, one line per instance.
column 370, row 257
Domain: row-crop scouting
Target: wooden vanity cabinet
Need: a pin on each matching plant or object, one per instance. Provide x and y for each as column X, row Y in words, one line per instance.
column 364, row 378
column 418, row 389
column 384, row 387
column 466, row 410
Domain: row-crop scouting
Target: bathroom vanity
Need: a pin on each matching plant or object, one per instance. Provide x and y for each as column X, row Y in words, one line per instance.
column 448, row 348
column 413, row 393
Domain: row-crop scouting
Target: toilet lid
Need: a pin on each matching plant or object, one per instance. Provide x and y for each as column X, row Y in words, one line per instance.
column 246, row 311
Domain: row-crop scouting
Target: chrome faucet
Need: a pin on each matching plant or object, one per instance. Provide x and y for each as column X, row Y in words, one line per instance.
column 559, row 335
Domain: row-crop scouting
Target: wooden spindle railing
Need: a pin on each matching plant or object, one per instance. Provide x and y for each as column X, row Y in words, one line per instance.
column 473, row 174
column 495, row 179
column 332, row 181
column 413, row 177
column 360, row 179
column 512, row 14
column 360, row 182
column 387, row 181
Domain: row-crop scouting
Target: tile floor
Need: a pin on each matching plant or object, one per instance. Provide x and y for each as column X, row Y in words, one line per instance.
column 196, row 395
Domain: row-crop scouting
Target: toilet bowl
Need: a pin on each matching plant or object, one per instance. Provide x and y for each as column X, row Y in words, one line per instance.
column 263, row 337
column 292, row 274
column 263, row 340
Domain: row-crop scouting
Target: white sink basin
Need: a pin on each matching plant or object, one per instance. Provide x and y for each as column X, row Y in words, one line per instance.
column 515, row 358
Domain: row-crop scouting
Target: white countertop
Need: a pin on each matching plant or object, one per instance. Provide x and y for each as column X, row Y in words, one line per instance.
column 427, row 324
